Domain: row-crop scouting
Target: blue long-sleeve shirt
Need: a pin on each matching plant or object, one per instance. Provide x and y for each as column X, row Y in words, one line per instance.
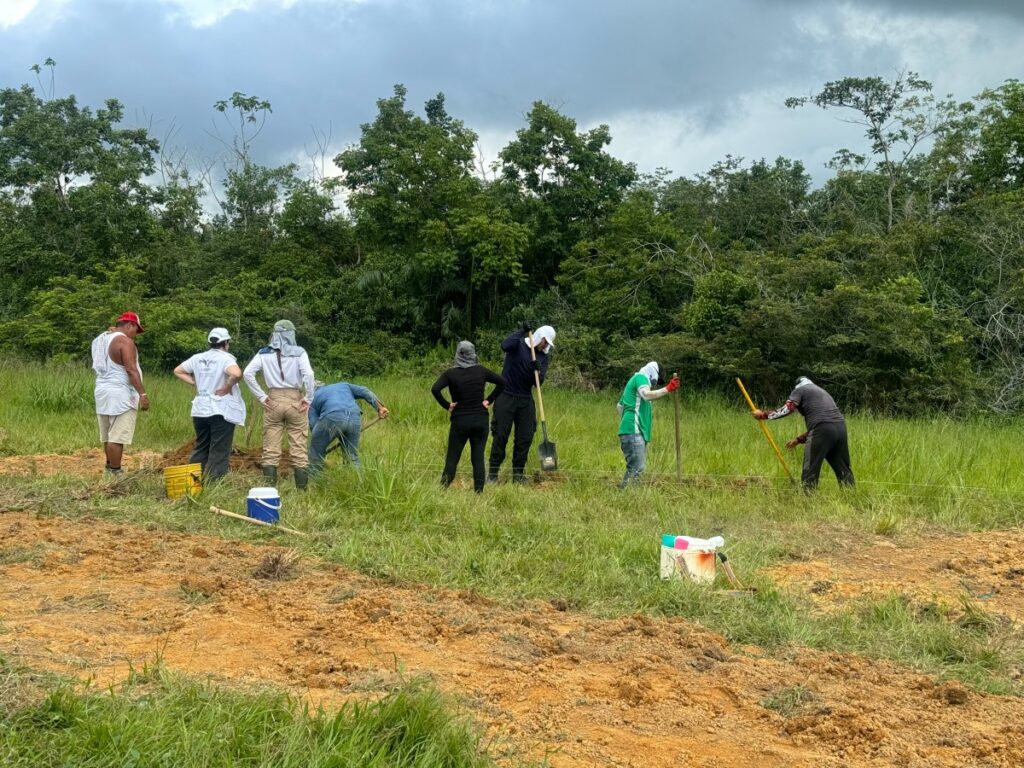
column 338, row 402
column 518, row 369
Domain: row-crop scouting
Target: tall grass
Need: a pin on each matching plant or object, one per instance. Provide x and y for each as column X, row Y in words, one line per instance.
column 574, row 537
column 159, row 720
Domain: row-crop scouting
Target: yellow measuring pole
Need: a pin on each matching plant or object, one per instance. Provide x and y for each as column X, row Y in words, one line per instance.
column 767, row 433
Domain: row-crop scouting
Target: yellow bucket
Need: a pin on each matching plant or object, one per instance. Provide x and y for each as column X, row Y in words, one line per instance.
column 183, row 480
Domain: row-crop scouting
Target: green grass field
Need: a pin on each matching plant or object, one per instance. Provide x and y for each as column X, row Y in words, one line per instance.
column 578, row 538
column 157, row 719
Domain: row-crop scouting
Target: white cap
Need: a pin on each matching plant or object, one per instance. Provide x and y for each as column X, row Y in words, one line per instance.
column 217, row 335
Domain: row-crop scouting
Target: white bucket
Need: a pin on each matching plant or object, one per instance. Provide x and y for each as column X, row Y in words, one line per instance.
column 689, row 558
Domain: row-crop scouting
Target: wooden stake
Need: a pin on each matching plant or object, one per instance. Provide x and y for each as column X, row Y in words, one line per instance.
column 767, row 434
column 254, row 521
column 679, row 445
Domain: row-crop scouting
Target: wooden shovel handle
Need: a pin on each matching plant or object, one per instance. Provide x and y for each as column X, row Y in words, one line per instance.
column 254, row 521
column 536, row 378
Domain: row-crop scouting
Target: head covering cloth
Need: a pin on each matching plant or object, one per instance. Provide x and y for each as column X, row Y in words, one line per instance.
column 465, row 355
column 652, row 371
column 545, row 332
column 282, row 340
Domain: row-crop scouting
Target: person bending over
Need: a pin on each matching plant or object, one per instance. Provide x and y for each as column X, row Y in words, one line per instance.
column 825, row 438
column 335, row 415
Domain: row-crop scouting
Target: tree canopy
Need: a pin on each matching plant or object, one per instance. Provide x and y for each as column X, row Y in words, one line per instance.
column 898, row 282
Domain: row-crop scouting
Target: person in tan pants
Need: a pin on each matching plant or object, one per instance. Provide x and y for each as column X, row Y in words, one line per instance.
column 290, row 383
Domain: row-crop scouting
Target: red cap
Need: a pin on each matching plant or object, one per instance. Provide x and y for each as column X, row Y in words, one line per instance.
column 131, row 317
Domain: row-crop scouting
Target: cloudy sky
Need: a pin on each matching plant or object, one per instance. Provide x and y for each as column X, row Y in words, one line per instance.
column 682, row 83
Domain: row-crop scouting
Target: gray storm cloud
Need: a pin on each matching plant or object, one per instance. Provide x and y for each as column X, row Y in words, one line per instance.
column 323, row 64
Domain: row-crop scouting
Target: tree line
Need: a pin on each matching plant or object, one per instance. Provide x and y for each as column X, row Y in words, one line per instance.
column 898, row 282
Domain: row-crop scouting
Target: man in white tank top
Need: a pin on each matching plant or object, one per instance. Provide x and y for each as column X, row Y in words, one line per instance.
column 217, row 407
column 119, row 392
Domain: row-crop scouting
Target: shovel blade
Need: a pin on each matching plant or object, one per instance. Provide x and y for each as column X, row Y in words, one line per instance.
column 548, row 456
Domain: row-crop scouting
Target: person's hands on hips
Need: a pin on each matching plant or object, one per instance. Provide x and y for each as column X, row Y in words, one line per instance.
column 451, row 407
column 267, row 405
column 486, row 404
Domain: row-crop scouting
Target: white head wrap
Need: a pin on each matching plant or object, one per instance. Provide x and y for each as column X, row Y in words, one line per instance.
column 651, row 371
column 545, row 332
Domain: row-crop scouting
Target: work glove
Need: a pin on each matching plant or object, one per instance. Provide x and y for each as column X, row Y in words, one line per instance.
column 760, row 415
column 526, row 327
column 536, row 365
column 673, row 384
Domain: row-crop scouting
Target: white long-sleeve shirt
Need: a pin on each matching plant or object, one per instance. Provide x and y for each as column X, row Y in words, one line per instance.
column 292, row 373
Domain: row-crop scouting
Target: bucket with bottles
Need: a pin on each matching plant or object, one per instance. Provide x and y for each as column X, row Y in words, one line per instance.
column 687, row 557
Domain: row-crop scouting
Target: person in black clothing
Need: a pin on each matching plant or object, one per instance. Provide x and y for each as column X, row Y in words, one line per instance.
column 825, row 438
column 465, row 383
column 515, row 407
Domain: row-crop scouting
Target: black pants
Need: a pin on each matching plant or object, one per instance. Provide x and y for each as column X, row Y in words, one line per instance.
column 827, row 442
column 512, row 412
column 473, row 429
column 214, row 435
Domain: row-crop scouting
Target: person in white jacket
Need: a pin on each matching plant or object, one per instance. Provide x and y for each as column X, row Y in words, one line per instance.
column 289, row 377
column 217, row 407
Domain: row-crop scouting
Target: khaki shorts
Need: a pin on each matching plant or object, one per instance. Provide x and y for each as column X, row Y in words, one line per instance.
column 118, row 429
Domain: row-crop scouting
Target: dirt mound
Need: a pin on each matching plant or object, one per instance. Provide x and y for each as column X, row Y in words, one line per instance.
column 90, row 598
column 242, row 459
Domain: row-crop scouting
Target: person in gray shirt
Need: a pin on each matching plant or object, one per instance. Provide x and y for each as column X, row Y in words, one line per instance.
column 825, row 438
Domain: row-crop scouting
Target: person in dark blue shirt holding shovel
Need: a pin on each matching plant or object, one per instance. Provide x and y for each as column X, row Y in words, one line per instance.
column 515, row 408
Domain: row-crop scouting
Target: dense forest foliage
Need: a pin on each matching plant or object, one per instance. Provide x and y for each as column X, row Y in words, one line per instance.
column 898, row 282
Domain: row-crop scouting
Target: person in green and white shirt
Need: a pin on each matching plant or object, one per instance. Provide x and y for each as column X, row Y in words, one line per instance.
column 635, row 417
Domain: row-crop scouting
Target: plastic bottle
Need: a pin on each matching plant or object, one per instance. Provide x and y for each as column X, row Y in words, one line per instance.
column 706, row 545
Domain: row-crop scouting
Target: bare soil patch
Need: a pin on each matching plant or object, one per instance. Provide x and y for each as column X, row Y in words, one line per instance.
column 90, row 598
column 983, row 567
column 86, row 463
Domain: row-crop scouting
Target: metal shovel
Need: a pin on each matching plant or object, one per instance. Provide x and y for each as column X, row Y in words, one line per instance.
column 546, row 449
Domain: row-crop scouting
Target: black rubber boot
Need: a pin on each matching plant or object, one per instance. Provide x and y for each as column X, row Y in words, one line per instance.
column 301, row 479
column 270, row 473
